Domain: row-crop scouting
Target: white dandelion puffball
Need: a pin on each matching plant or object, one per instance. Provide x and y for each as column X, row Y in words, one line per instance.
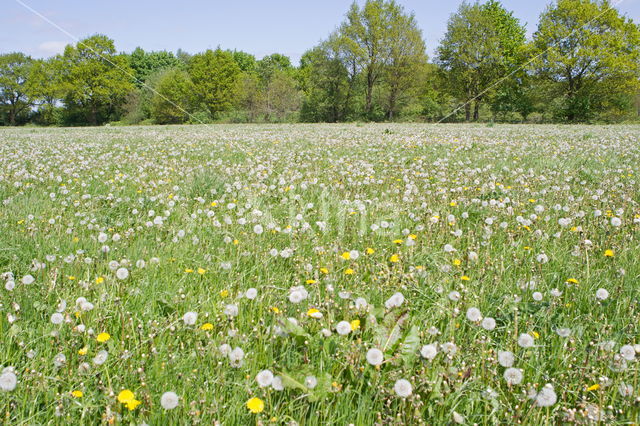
column 616, row 221
column 258, row 229
column 251, row 294
column 310, row 382
column 546, row 397
column 429, row 351
column 474, row 314
column 628, row 352
column 375, row 356
column 231, row 310
column 513, row 376
column 190, row 318
column 525, row 340
column 394, row 301
column 602, row 294
column 506, row 358
column 169, row 400
column 489, row 323
column 28, row 279
column 264, row 378
column 402, row 388
column 57, row 318
column 122, row 273
column 277, row 384
column 101, row 357
column 8, row 380
column 343, row 328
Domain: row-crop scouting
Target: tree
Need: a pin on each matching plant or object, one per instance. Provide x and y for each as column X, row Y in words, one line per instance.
column 14, row 72
column 215, row 75
column 590, row 54
column 43, row 86
column 246, row 61
column 481, row 46
column 174, row 97
column 282, row 97
column 94, row 77
column 144, row 63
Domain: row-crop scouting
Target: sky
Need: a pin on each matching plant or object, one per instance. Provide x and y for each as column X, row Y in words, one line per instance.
column 259, row 27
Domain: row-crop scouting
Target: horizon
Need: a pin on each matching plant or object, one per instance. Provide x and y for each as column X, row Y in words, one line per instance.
column 250, row 32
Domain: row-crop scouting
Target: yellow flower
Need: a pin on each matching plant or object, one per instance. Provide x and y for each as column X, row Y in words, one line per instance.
column 394, row 258
column 346, row 255
column 398, row 241
column 103, row 337
column 608, row 253
column 206, row 326
column 127, row 398
column 593, row 387
column 370, row 250
column 453, row 204
column 314, row 313
column 213, row 204
column 71, row 277
column 188, row 270
column 99, row 280
column 572, row 281
column 255, row 405
column 310, row 281
column 355, row 324
column 77, row 394
column 465, row 278
column 413, row 236
column 535, row 334
column 201, row 271
column 83, row 351
column 324, row 270
column 457, row 262
column 224, row 293
column 275, row 309
column 349, row 271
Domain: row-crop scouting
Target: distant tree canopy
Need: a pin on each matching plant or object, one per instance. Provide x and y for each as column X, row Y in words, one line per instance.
column 581, row 65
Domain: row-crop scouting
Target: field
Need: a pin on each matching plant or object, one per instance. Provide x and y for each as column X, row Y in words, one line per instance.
column 320, row 274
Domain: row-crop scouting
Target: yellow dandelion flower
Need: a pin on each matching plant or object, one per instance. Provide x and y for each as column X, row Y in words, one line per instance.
column 573, row 281
column 324, row 270
column 314, row 313
column 310, row 281
column 609, row 253
column 83, row 351
column 275, row 310
column 224, row 293
column 349, row 271
column 346, row 255
column 398, row 241
column 103, row 337
column 77, row 394
column 593, row 387
column 255, row 405
column 394, row 258
column 465, row 278
column 355, row 324
column 370, row 250
column 457, row 262
column 188, row 270
column 99, row 280
column 201, row 271
column 206, row 326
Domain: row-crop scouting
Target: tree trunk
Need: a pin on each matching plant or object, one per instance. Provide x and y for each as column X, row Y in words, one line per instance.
column 476, row 111
column 467, row 112
column 369, row 94
column 93, row 117
column 12, row 116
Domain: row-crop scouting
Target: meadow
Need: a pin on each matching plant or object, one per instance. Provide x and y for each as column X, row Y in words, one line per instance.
column 319, row 274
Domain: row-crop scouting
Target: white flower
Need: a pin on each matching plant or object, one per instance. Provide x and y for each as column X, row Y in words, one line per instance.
column 489, row 323
column 310, row 382
column 616, row 221
column 231, row 310
column 625, row 389
column 563, row 332
column 59, row 360
column 57, row 318
column 546, row 397
column 264, row 378
column 8, row 381
column 402, row 388
column 449, row 348
column 429, row 351
column 394, row 301
column 360, row 303
column 251, row 294
column 525, row 340
column 542, row 258
column 276, row 384
column 448, row 248
column 628, row 352
column 454, row 296
column 28, row 279
column 169, row 400
column 537, row 296
column 343, row 328
column 236, row 357
column 375, row 356
column 122, row 273
column 190, row 318
column 513, row 376
column 506, row 358
column 258, row 229
column 474, row 314
column 100, row 357
column 602, row 294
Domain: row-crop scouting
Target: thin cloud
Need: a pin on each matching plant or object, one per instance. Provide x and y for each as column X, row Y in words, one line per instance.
column 52, row 47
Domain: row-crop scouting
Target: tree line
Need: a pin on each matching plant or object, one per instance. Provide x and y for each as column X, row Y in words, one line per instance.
column 582, row 64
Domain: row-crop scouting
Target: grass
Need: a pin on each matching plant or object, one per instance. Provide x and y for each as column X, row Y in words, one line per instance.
column 184, row 205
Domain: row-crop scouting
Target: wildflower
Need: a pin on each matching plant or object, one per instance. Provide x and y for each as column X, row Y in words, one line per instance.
column 525, row 340
column 346, row 255
column 608, row 253
column 8, row 380
column 255, row 405
column 602, row 294
column 375, row 356
column 99, row 280
column 206, row 326
column 429, row 351
column 122, row 273
column 169, row 400
column 572, row 281
column 83, row 351
column 402, row 388
column 349, row 271
column 370, row 250
column 506, row 358
column 355, row 324
column 546, row 397
column 57, row 318
column 314, row 313
column 394, row 258
column 343, row 328
column 594, row 387
column 488, row 323
column 127, row 398
column 100, row 357
column 77, row 394
column 628, row 352
column 474, row 314
column 264, row 378
column 513, row 376
column 465, row 278
column 394, row 301
column 201, row 271
column 311, row 382
column 103, row 337
column 190, row 318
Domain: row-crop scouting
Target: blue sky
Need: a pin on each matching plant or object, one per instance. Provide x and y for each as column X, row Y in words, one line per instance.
column 259, row 27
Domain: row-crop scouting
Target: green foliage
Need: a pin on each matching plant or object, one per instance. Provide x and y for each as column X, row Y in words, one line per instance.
column 215, row 75
column 591, row 54
column 14, row 73
column 174, row 97
column 95, row 79
column 144, row 63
